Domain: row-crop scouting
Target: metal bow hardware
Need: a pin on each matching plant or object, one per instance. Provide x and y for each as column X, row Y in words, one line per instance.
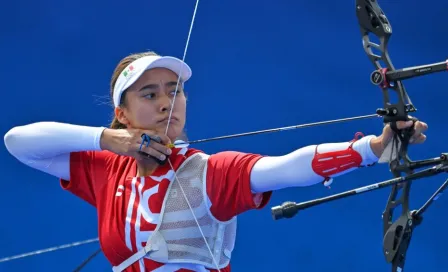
column 397, row 234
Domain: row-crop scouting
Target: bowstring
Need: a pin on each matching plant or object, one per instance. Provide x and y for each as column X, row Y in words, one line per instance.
column 166, row 133
column 183, row 59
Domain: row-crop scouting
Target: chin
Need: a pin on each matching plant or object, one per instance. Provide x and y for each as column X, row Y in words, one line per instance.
column 174, row 133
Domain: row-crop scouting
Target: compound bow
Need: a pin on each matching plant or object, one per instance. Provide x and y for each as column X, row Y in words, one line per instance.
column 397, row 234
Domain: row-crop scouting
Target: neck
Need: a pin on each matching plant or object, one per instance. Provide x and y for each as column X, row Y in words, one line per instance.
column 146, row 167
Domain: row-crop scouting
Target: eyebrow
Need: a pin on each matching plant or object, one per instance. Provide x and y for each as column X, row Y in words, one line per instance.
column 155, row 86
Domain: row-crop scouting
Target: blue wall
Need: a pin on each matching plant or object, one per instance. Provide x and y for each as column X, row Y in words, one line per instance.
column 256, row 65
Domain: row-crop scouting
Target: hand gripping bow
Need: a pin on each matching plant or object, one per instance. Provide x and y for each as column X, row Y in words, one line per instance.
column 397, row 234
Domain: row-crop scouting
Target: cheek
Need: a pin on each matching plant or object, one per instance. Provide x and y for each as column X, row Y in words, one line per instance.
column 181, row 107
column 143, row 115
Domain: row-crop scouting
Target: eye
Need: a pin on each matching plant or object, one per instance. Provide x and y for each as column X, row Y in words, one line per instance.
column 173, row 92
column 150, row 96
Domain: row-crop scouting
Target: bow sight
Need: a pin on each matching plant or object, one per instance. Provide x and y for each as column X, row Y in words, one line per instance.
column 397, row 235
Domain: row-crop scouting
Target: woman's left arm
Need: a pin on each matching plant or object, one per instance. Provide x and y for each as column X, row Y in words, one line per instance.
column 317, row 163
column 312, row 164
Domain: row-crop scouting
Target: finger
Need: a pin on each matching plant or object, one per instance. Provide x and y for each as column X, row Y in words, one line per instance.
column 144, row 135
column 421, row 138
column 152, row 141
column 158, row 147
column 420, row 127
column 165, row 140
column 149, row 151
column 147, row 138
column 404, row 124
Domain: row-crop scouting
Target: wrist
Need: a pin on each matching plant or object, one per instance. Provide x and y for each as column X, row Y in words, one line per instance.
column 106, row 139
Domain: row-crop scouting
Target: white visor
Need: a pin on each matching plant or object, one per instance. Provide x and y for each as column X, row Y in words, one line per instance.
column 134, row 70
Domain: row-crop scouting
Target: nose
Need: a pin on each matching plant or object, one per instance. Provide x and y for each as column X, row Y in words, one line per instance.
column 165, row 104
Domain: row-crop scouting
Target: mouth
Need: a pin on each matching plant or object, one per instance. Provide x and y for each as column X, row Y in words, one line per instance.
column 165, row 120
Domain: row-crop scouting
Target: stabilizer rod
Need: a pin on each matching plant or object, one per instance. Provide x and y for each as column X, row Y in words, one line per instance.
column 289, row 209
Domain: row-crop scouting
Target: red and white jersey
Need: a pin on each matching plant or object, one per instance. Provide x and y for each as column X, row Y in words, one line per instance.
column 129, row 206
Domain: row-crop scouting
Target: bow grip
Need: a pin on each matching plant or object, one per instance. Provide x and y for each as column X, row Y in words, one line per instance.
column 405, row 134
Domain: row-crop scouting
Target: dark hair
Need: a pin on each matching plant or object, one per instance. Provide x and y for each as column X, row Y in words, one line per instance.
column 115, row 124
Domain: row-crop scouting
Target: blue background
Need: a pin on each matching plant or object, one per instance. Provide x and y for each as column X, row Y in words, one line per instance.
column 256, row 65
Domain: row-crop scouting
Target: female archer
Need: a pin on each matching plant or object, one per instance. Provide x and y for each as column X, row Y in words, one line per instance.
column 162, row 205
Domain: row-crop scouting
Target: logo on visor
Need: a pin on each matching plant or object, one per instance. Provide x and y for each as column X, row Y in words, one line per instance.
column 128, row 71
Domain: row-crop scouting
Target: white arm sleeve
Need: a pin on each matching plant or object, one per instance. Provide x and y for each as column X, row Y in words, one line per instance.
column 294, row 169
column 46, row 146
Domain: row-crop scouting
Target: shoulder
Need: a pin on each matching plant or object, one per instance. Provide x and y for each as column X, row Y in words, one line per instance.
column 232, row 166
column 234, row 159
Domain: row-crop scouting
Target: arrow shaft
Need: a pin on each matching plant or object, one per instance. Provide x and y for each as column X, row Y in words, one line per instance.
column 285, row 128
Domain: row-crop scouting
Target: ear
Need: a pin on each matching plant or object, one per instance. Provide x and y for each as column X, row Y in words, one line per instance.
column 121, row 116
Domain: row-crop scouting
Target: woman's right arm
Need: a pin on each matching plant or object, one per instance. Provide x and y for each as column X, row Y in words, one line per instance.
column 46, row 146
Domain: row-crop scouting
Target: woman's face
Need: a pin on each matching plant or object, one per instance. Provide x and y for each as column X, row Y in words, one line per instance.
column 149, row 101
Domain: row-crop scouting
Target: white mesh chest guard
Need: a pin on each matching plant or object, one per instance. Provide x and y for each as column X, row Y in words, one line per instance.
column 177, row 238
